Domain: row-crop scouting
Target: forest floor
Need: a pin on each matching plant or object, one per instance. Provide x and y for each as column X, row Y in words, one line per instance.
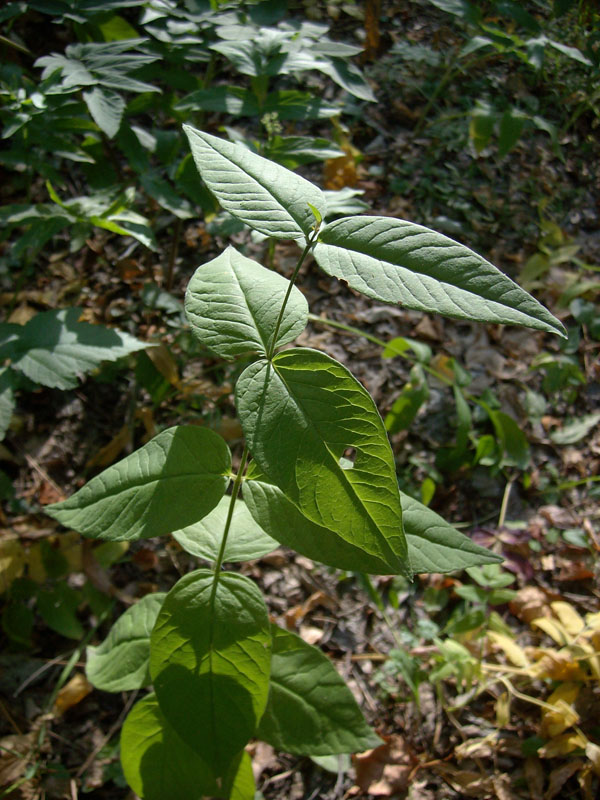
column 457, row 683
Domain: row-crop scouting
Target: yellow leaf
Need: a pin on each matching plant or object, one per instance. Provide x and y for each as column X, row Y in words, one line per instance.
column 165, row 363
column 514, row 653
column 592, row 751
column 72, row 693
column 569, row 618
column 562, row 745
column 503, row 710
column 553, row 628
column 12, row 561
column 563, row 715
column 558, row 666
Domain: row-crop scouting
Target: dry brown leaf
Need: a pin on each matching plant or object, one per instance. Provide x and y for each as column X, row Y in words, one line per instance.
column 559, row 776
column 263, row 757
column 163, row 360
column 14, row 756
column 72, row 693
column 530, row 603
column 384, row 771
column 502, row 787
column 372, row 37
column 310, row 634
column 592, row 751
column 534, row 775
column 466, row 782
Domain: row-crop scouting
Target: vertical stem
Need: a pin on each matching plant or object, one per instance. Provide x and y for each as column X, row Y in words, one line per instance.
column 234, row 493
column 173, row 253
column 305, row 252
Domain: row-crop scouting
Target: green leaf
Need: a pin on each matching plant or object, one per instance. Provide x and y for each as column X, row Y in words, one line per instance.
column 575, row 430
column 300, row 413
column 434, row 545
column 58, row 608
column 8, row 385
column 406, row 406
column 282, row 520
column 121, row 662
column 170, row 482
column 264, row 195
column 290, row 151
column 233, row 303
column 210, row 662
column 311, row 711
column 511, row 126
column 246, row 539
column 157, row 763
column 107, row 109
column 513, row 442
column 54, row 348
column 400, row 262
column 288, row 104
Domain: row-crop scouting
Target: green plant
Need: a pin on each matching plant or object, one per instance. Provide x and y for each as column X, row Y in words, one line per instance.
column 322, row 480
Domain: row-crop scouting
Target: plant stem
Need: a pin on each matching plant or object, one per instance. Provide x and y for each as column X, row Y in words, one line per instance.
column 234, row 493
column 305, row 252
column 173, row 253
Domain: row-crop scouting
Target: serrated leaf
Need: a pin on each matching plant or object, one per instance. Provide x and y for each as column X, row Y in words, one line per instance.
column 310, row 711
column 55, row 349
column 300, row 413
column 264, row 195
column 121, row 662
column 285, row 523
column 107, row 109
column 400, row 262
column 210, row 662
column 170, row 482
column 246, row 539
column 233, row 303
column 156, row 762
column 434, row 545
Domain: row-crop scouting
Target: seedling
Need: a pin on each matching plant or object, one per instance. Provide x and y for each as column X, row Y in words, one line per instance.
column 317, row 474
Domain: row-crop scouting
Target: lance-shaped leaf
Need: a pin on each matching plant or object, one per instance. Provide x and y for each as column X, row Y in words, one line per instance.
column 157, row 763
column 210, row 663
column 310, row 711
column 433, row 544
column 232, row 304
column 300, row 413
column 170, row 482
column 121, row 662
column 264, row 195
column 55, row 349
column 400, row 262
column 246, row 539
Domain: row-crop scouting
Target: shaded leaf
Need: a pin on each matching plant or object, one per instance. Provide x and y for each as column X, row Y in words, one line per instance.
column 210, row 662
column 120, row 663
column 310, row 711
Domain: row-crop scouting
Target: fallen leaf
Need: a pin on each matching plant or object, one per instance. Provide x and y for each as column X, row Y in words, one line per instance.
column 530, row 603
column 72, row 693
column 562, row 745
column 559, row 776
column 563, row 715
column 534, row 775
column 108, row 454
column 310, row 634
column 385, row 771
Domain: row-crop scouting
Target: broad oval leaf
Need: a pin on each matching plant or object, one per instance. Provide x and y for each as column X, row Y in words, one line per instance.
column 55, row 349
column 157, row 763
column 300, row 413
column 264, row 195
column 210, row 662
column 433, row 544
column 121, row 662
column 170, row 482
column 246, row 539
column 400, row 262
column 310, row 711
column 232, row 304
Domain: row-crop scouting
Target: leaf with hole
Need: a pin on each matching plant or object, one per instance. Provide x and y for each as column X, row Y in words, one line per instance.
column 210, row 662
column 300, row 413
column 172, row 481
